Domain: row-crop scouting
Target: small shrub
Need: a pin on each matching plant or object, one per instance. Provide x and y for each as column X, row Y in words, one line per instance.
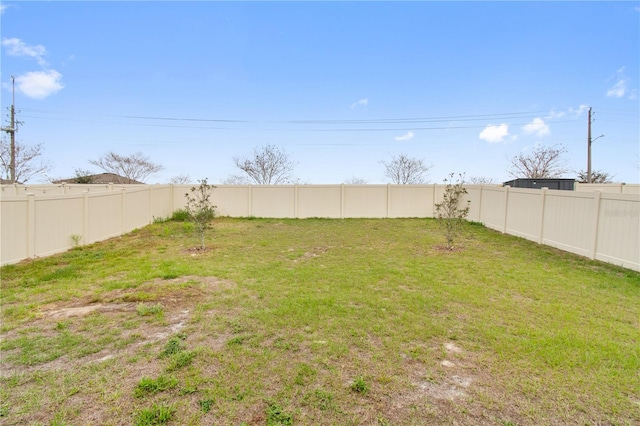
column 449, row 212
column 180, row 215
column 359, row 385
column 201, row 211
column 156, row 415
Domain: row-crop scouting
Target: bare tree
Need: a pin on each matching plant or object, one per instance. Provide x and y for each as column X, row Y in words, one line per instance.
column 541, row 163
column 134, row 167
column 597, row 176
column 404, row 170
column 236, row 180
column 267, row 166
column 355, row 181
column 83, row 176
column 180, row 179
column 28, row 164
column 480, row 180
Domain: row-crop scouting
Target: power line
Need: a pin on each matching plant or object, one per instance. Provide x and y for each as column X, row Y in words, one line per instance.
column 434, row 119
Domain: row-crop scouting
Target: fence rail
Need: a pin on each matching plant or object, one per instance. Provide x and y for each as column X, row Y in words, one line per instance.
column 43, row 220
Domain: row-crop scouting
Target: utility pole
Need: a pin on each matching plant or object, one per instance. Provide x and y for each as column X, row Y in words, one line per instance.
column 589, row 142
column 589, row 147
column 12, row 131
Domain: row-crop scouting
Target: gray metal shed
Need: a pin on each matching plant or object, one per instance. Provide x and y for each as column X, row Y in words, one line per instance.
column 562, row 184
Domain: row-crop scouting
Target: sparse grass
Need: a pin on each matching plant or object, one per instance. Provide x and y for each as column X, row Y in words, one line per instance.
column 156, row 415
column 318, row 322
column 180, row 360
column 147, row 385
column 144, row 309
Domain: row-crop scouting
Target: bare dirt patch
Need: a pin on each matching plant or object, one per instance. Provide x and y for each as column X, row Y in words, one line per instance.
column 441, row 248
column 177, row 297
column 198, row 250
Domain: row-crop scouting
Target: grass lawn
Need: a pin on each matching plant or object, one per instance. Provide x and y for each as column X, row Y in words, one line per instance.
column 330, row 322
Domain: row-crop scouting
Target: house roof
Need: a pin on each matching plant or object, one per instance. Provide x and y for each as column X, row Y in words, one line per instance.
column 101, row 178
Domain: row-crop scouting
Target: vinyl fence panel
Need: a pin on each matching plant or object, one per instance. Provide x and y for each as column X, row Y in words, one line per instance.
column 596, row 224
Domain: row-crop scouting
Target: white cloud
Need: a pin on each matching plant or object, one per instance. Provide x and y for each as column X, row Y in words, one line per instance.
column 362, row 102
column 580, row 110
column 537, row 127
column 17, row 47
column 495, row 134
column 620, row 88
column 406, row 137
column 39, row 84
column 556, row 114
column 3, row 7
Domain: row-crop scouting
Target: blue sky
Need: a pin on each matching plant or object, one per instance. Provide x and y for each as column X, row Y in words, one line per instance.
column 464, row 86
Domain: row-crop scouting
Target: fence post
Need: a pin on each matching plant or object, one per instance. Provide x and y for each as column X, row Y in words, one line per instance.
column 342, row 201
column 85, row 217
column 433, row 207
column 388, row 198
column 171, row 194
column 543, row 194
column 250, row 203
column 122, row 213
column 150, row 216
column 597, row 196
column 295, row 201
column 31, row 225
column 506, row 208
column 480, row 204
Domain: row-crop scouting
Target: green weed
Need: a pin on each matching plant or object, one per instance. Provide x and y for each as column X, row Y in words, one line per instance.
column 276, row 416
column 173, row 346
column 205, row 405
column 360, row 385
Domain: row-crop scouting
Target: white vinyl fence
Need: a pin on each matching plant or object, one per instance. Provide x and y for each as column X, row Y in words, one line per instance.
column 42, row 220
